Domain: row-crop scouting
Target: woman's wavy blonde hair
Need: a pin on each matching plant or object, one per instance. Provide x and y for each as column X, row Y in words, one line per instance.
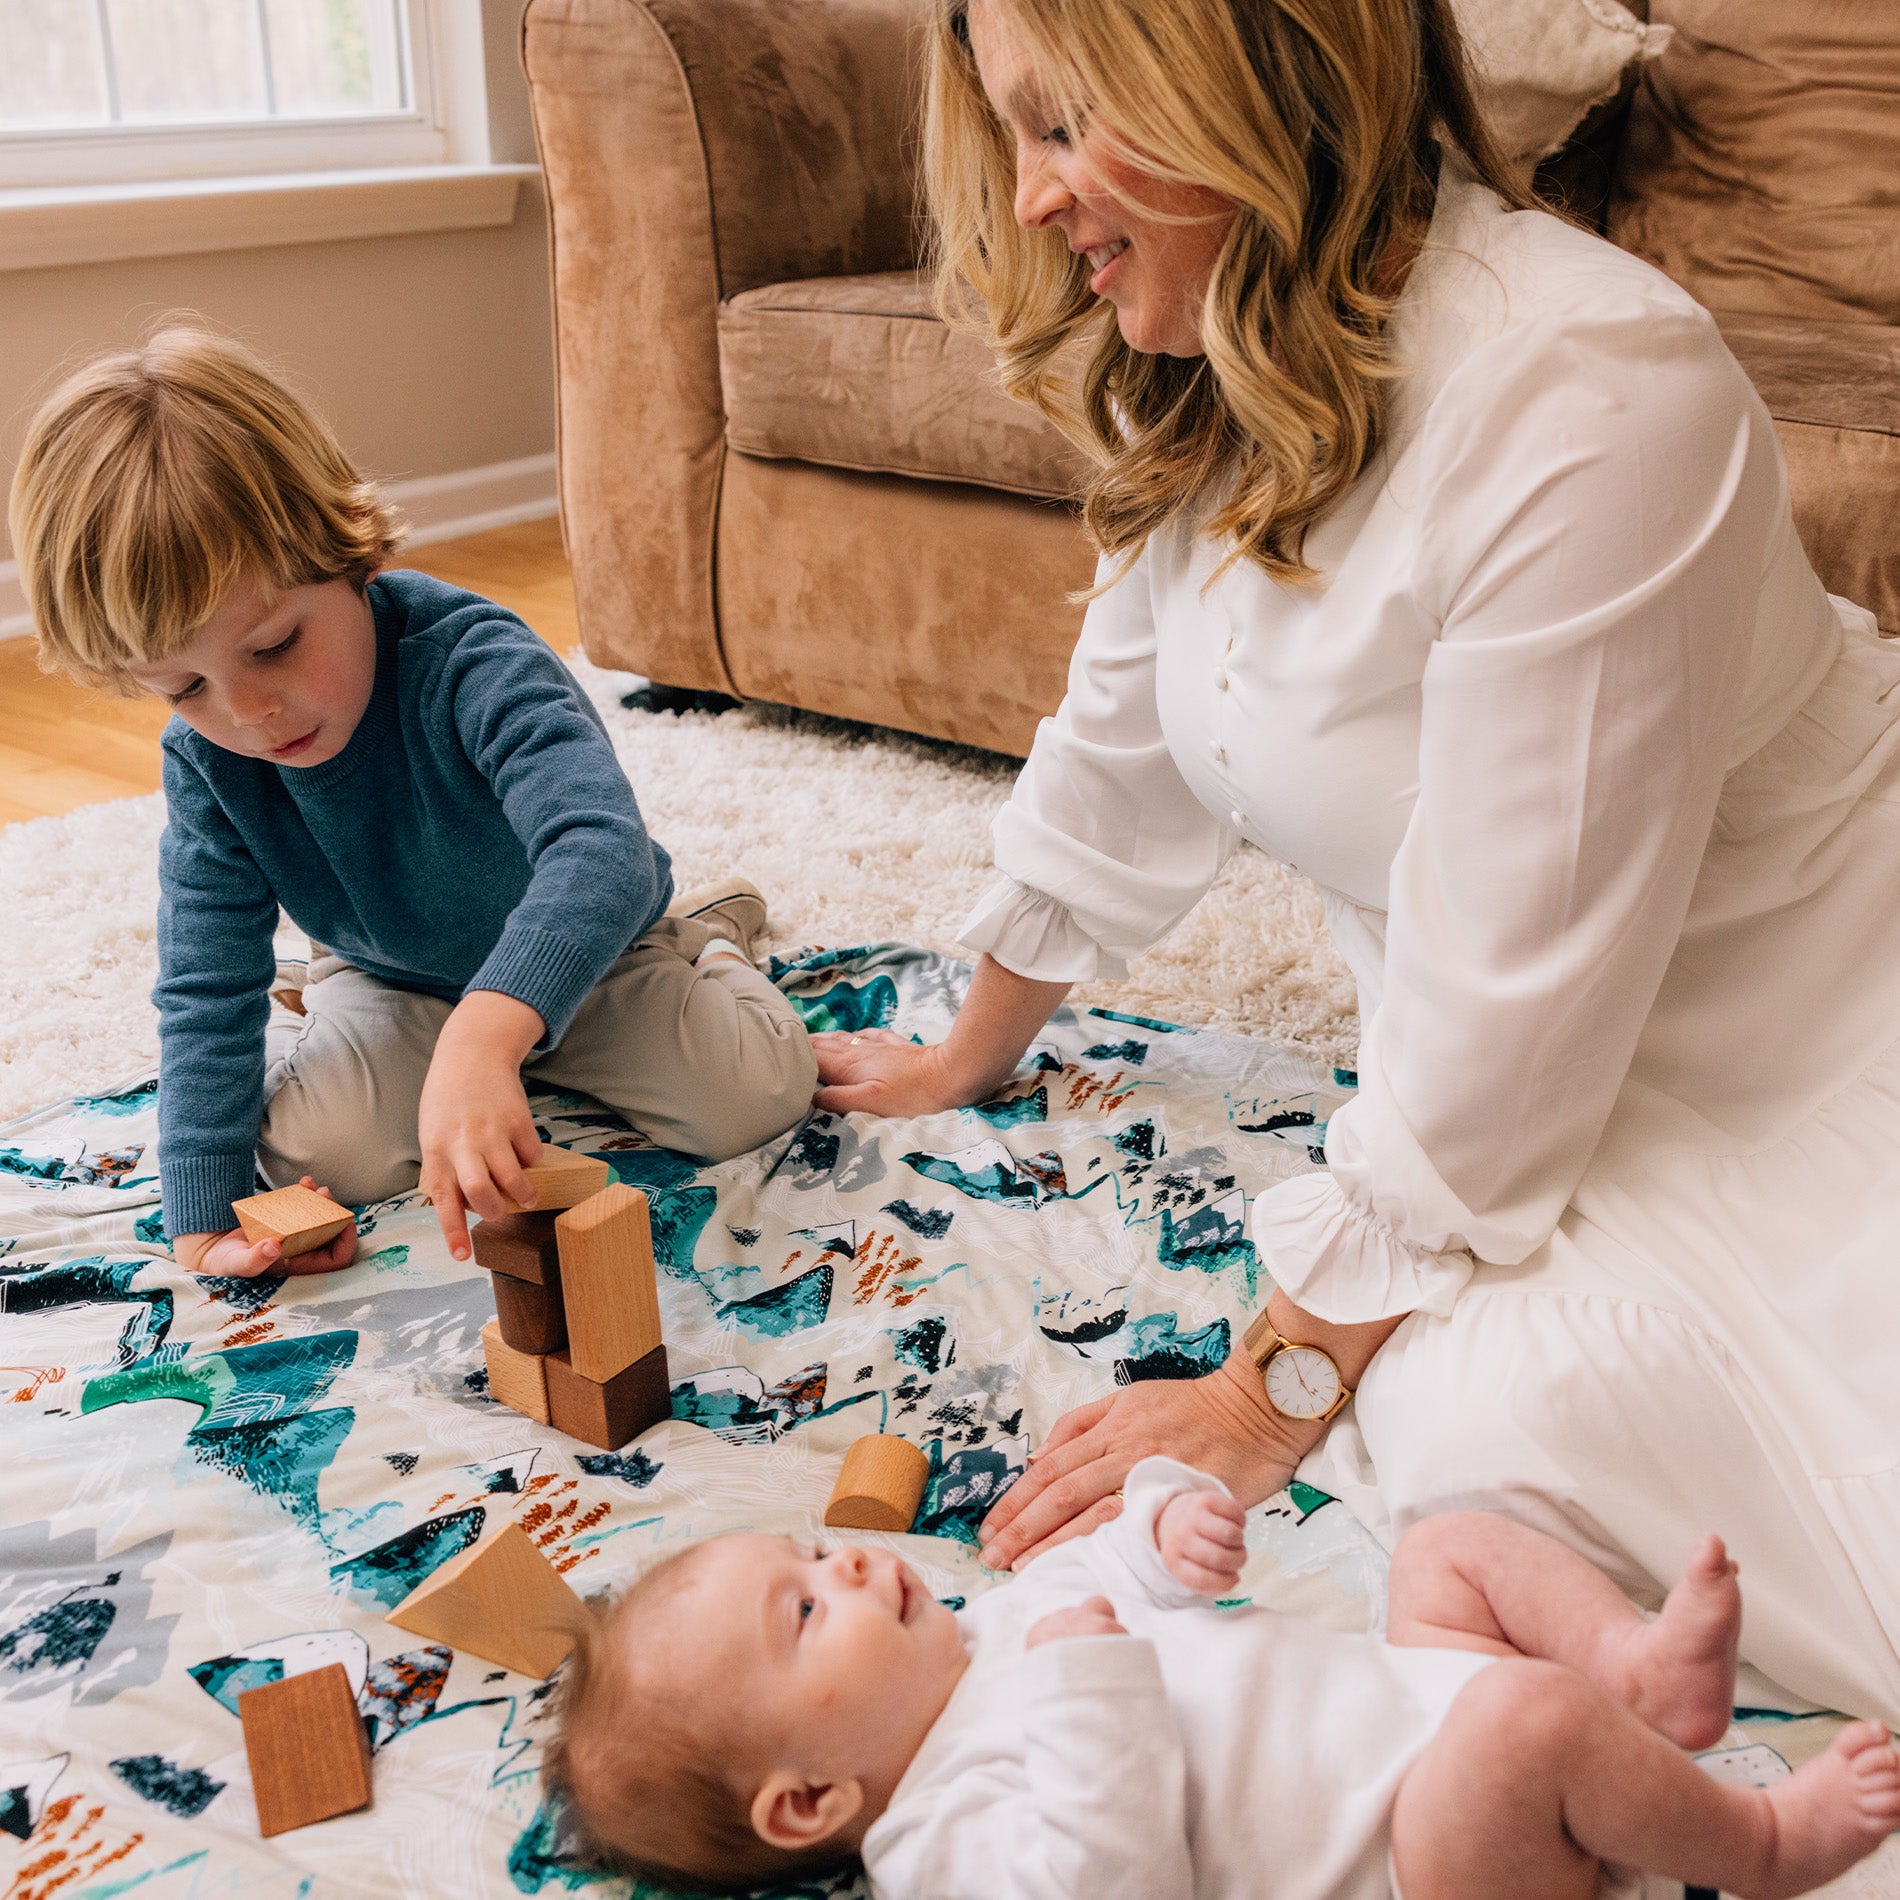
column 1324, row 122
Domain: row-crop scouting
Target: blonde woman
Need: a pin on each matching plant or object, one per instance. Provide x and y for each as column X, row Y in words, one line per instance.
column 1447, row 555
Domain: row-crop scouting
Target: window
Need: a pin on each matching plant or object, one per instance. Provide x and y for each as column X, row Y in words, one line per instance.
column 89, row 63
column 113, row 91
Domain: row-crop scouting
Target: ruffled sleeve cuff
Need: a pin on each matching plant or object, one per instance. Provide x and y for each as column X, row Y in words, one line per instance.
column 1342, row 1264
column 1033, row 936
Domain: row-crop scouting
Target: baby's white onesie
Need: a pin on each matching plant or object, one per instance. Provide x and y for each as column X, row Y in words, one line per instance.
column 1219, row 1754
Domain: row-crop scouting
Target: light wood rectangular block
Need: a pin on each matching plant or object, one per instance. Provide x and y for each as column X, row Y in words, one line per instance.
column 308, row 1750
column 562, row 1179
column 297, row 1218
column 607, row 1282
column 879, row 1487
column 518, row 1379
column 500, row 1600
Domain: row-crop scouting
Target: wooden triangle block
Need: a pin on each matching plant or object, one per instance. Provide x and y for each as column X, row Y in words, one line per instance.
column 500, row 1600
column 307, row 1748
column 297, row 1218
column 607, row 1283
column 561, row 1179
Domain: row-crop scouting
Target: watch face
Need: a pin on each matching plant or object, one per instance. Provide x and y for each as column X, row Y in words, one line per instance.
column 1302, row 1382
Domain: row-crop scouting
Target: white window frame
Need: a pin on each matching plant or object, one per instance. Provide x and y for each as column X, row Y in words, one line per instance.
column 446, row 123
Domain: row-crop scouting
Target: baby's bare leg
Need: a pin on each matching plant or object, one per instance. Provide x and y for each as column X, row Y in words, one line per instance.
column 1471, row 1580
column 1536, row 1777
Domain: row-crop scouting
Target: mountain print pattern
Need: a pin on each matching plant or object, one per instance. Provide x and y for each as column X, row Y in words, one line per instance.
column 213, row 1484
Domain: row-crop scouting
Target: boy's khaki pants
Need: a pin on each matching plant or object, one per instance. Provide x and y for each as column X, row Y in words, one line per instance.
column 709, row 1058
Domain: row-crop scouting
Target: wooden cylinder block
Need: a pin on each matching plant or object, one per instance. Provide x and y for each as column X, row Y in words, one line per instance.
column 880, row 1487
column 532, row 1318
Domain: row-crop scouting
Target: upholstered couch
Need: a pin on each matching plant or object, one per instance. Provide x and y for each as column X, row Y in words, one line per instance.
column 782, row 477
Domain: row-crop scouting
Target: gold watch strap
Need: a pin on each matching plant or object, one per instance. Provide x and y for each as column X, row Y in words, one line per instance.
column 1263, row 1340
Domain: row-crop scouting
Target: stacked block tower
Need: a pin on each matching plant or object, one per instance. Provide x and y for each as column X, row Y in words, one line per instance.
column 575, row 1342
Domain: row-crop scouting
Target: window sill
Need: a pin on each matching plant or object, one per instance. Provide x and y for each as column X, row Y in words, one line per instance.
column 42, row 228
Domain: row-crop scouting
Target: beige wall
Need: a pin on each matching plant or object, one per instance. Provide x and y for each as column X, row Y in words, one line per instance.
column 428, row 353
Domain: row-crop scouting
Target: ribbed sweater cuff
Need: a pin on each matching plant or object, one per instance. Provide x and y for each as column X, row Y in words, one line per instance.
column 552, row 975
column 198, row 1191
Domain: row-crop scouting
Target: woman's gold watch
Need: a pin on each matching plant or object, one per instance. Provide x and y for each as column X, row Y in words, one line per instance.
column 1301, row 1381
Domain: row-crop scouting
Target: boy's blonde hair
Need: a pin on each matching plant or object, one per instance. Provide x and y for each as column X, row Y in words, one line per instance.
column 651, row 1782
column 157, row 479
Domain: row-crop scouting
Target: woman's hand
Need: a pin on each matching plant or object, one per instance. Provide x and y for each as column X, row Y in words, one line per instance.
column 882, row 1073
column 229, row 1256
column 1202, row 1538
column 1220, row 1424
column 476, row 1132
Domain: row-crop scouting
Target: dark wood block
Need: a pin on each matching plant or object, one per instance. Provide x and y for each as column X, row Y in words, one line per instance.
column 532, row 1318
column 521, row 1246
column 631, row 1402
column 308, row 1750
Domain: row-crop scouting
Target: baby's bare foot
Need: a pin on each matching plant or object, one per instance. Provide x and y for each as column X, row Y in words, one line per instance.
column 1831, row 1813
column 1680, row 1669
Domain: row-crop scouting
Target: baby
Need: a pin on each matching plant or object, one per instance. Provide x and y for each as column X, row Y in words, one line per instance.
column 756, row 1710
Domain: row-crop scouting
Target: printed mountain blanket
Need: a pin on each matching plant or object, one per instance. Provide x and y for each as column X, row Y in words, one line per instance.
column 210, row 1484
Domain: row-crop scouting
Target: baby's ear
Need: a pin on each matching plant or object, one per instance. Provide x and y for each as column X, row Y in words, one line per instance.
column 791, row 1812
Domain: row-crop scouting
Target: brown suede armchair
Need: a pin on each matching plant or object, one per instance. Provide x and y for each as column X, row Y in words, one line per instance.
column 783, row 478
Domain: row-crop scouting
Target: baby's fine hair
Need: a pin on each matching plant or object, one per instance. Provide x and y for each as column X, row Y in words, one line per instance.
column 155, row 480
column 651, row 1777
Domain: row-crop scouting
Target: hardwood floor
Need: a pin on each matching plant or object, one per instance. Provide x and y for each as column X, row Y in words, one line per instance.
column 62, row 746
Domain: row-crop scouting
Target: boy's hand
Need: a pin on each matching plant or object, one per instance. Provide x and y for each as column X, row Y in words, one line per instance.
column 476, row 1132
column 1095, row 1617
column 1202, row 1537
column 230, row 1256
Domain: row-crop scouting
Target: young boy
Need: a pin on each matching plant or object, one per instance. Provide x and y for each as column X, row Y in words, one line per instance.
column 755, row 1710
column 413, row 775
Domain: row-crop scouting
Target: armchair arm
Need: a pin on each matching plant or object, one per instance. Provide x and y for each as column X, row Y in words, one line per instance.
column 693, row 149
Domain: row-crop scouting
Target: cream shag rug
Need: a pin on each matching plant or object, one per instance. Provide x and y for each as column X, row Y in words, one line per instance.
column 855, row 834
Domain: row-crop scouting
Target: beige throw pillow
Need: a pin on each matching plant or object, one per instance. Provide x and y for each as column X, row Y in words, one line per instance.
column 1542, row 64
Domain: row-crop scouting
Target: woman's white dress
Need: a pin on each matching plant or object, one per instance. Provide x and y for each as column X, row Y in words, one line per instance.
column 1604, row 794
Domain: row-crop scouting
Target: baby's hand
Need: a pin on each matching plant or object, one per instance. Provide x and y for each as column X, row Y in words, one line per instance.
column 229, row 1256
column 1202, row 1539
column 1096, row 1617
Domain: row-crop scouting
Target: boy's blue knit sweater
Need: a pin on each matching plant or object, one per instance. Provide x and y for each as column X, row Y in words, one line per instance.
column 476, row 832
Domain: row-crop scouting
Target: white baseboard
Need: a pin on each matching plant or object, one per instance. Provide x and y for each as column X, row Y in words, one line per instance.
column 437, row 508
column 473, row 500
column 15, row 621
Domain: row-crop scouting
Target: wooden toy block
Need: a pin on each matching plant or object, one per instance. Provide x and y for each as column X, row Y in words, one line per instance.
column 308, row 1750
column 613, row 1300
column 500, row 1600
column 518, row 1379
column 879, row 1487
column 608, row 1414
column 521, row 1246
column 563, row 1179
column 532, row 1318
column 297, row 1218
